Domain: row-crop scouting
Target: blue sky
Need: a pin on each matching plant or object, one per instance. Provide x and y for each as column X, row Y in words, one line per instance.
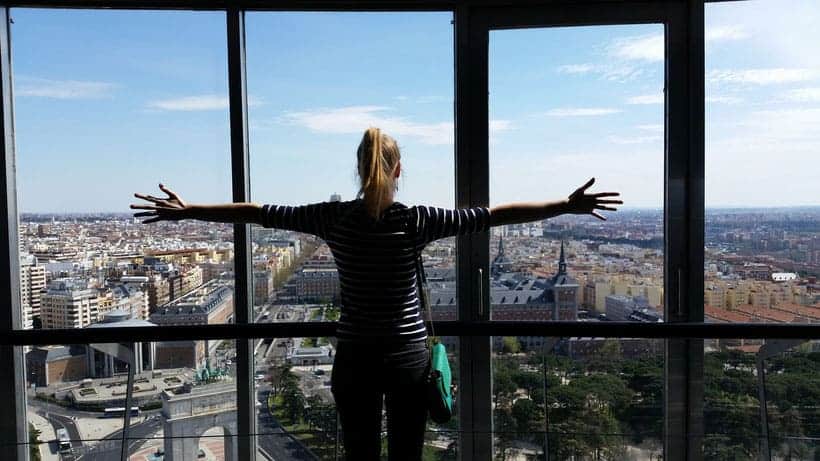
column 112, row 102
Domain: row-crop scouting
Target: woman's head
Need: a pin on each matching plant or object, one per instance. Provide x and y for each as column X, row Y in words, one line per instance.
column 378, row 166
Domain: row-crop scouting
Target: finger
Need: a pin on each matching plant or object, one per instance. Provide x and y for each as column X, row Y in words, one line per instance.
column 145, row 213
column 606, row 194
column 144, row 207
column 601, row 207
column 150, row 198
column 170, row 193
column 587, row 185
column 617, row 202
column 597, row 215
column 149, row 221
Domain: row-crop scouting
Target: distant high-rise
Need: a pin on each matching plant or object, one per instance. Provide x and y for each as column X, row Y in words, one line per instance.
column 335, row 197
column 32, row 285
column 68, row 303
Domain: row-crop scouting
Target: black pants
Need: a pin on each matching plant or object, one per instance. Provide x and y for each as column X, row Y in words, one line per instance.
column 366, row 376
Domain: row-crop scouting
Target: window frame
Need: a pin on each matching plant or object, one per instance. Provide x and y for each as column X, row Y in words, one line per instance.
column 683, row 215
column 682, row 154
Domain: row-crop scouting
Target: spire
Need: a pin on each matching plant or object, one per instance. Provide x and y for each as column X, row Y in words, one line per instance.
column 500, row 263
column 562, row 262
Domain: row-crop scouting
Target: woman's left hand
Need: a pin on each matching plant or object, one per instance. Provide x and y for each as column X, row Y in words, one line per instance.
column 580, row 202
column 172, row 208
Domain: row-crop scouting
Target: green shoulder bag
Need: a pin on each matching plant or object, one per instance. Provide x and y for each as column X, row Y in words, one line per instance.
column 439, row 384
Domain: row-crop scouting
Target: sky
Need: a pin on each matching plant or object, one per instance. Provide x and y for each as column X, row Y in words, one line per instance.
column 108, row 103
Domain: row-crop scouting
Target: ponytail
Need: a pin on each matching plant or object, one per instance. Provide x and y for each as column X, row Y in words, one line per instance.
column 378, row 157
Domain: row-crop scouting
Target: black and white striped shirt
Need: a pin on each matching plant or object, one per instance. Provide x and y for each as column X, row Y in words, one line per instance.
column 377, row 259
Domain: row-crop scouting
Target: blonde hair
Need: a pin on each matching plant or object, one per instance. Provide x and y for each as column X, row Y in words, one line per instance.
column 378, row 156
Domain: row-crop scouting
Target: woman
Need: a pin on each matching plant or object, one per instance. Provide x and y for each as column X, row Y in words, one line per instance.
column 381, row 352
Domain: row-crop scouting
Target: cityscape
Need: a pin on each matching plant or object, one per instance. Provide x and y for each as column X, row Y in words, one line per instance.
column 127, row 97
column 578, row 398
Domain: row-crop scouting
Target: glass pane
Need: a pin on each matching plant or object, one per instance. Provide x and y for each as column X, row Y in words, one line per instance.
column 316, row 82
column 77, row 394
column 737, row 373
column 592, row 106
column 122, row 101
column 297, row 415
column 578, row 398
column 310, row 102
column 762, row 246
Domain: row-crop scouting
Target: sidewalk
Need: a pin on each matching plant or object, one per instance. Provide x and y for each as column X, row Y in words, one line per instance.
column 47, row 436
column 92, row 430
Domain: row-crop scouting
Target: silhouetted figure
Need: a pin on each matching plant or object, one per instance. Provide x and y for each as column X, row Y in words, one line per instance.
column 382, row 353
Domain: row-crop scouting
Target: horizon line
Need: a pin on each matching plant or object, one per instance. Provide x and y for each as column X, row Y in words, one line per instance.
column 631, row 208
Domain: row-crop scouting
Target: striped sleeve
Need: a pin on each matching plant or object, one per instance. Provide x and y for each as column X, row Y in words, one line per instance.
column 315, row 218
column 436, row 223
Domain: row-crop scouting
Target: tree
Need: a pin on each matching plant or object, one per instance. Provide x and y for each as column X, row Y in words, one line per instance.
column 608, row 358
column 312, row 410
column 503, row 385
column 510, row 345
column 281, row 377
column 527, row 415
column 528, row 380
column 293, row 401
column 583, row 417
column 645, row 416
column 504, row 429
column 34, row 443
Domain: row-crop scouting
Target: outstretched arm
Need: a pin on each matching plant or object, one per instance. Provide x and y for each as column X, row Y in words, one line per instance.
column 578, row 202
column 173, row 208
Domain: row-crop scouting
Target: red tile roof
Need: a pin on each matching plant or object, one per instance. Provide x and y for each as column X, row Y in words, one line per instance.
column 723, row 315
column 766, row 314
column 796, row 309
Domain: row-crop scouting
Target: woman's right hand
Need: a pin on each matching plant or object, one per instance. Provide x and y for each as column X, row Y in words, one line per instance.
column 579, row 202
column 172, row 208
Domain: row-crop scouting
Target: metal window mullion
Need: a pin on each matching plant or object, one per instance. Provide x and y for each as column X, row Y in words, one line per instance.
column 472, row 189
column 238, row 104
column 13, row 427
column 683, row 272
column 695, row 196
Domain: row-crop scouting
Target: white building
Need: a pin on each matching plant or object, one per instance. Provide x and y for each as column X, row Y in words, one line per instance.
column 68, row 303
column 32, row 286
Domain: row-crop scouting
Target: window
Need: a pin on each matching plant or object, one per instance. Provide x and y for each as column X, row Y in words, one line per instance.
column 103, row 95
column 762, row 250
column 122, row 101
column 558, row 116
column 762, row 225
column 316, row 81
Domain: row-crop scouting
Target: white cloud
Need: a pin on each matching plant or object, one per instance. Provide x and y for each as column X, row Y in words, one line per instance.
column 723, row 99
column 634, row 139
column 429, row 99
column 639, row 48
column 63, row 89
column 577, row 68
column 658, row 127
column 646, row 99
column 497, row 126
column 804, row 95
column 725, row 33
column 769, row 76
column 620, row 63
column 617, row 72
column 581, row 111
column 355, row 119
column 196, row 103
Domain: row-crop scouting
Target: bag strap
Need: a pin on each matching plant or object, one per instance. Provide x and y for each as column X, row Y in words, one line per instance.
column 421, row 282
